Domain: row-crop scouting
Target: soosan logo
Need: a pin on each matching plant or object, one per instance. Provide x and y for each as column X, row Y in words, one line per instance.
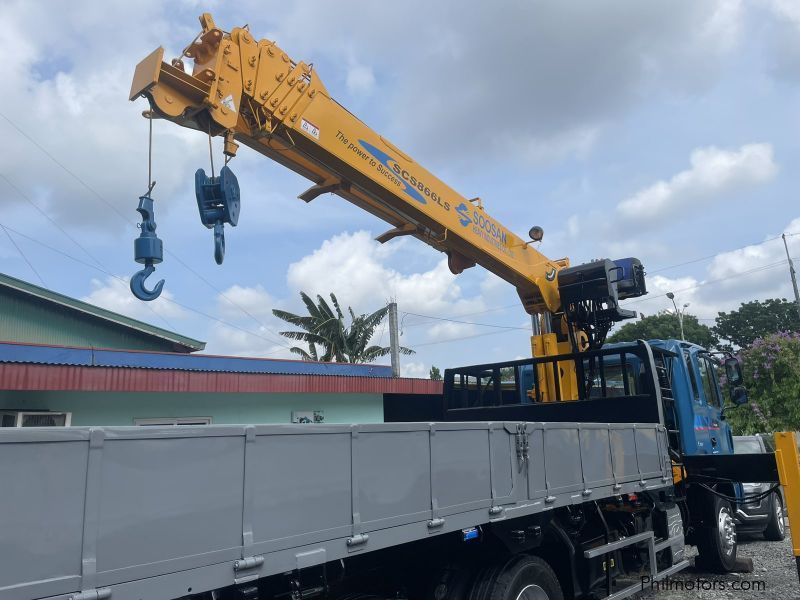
column 463, row 212
column 481, row 224
column 391, row 164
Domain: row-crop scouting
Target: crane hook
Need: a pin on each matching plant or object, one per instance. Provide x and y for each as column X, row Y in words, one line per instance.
column 137, row 284
column 148, row 250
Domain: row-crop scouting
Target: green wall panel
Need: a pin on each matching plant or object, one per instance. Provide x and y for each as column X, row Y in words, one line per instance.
column 121, row 408
column 30, row 320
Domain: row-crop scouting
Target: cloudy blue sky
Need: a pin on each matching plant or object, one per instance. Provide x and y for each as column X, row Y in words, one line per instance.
column 667, row 130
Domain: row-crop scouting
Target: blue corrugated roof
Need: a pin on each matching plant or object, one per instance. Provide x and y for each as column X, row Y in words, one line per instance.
column 91, row 357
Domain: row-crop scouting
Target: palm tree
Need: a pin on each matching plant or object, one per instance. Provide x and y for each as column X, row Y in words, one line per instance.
column 324, row 329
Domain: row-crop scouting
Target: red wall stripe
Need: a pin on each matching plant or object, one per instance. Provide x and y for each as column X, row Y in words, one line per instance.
column 28, row 377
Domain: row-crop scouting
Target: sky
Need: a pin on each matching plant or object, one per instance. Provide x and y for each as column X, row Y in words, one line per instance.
column 666, row 130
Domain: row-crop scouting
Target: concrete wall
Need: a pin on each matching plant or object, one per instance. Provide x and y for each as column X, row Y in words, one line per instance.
column 121, row 408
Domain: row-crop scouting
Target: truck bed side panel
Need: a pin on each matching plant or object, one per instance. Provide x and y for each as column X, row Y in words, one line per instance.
column 156, row 511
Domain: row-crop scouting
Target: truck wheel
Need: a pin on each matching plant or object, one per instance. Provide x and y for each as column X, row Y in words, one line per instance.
column 776, row 526
column 717, row 541
column 521, row 578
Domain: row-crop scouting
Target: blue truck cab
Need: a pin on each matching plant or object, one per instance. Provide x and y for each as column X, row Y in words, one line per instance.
column 698, row 399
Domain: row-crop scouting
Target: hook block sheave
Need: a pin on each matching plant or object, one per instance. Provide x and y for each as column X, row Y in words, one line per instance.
column 218, row 203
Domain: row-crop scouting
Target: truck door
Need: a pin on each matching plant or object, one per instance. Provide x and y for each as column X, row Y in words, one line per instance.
column 708, row 417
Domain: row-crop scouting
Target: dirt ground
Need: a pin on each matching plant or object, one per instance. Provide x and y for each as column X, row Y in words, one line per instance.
column 774, row 576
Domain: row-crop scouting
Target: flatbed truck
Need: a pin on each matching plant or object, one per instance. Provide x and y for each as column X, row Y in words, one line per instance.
column 573, row 474
column 504, row 497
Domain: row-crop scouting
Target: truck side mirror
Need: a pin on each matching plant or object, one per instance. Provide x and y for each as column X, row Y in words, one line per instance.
column 733, row 372
column 739, row 395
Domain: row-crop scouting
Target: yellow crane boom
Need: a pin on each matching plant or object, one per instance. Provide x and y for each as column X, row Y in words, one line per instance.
column 252, row 92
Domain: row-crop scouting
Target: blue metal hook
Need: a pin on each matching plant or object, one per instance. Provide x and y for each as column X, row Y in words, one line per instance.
column 219, row 203
column 137, row 284
column 148, row 250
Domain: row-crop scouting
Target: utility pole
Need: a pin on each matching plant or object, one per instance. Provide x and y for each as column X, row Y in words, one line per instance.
column 394, row 339
column 792, row 273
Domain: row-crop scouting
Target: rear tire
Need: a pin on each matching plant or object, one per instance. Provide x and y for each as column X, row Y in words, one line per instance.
column 776, row 526
column 521, row 578
column 716, row 541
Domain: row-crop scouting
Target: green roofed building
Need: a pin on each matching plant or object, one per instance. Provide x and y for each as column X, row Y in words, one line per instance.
column 34, row 315
column 64, row 362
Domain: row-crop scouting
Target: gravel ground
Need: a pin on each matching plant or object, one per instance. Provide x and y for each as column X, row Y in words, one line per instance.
column 774, row 573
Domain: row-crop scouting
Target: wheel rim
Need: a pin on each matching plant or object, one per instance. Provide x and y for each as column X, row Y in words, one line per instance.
column 726, row 530
column 532, row 592
column 779, row 516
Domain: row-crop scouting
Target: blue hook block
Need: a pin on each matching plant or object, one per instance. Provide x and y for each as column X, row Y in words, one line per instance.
column 148, row 250
column 218, row 203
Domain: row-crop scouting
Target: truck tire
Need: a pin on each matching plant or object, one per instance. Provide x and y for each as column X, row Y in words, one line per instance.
column 716, row 541
column 523, row 577
column 775, row 530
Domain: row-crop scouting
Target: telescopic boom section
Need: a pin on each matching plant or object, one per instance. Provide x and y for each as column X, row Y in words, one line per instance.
column 252, row 92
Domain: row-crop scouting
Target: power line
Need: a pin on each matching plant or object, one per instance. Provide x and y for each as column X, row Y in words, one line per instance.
column 42, row 212
column 713, row 281
column 170, row 300
column 55, row 160
column 465, row 337
column 459, row 321
column 22, row 254
column 710, row 256
column 72, row 239
column 131, row 222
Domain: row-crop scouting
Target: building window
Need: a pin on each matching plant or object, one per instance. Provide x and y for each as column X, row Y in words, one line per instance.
column 173, row 421
column 39, row 418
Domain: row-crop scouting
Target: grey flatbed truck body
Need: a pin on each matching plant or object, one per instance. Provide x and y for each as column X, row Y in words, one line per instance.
column 131, row 513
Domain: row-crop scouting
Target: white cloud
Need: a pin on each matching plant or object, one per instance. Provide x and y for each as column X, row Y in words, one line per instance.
column 713, row 173
column 238, row 301
column 755, row 272
column 785, row 9
column 759, row 270
column 724, row 25
column 417, row 370
column 533, row 55
column 352, row 267
column 360, row 80
column 113, row 294
column 260, row 342
column 69, row 83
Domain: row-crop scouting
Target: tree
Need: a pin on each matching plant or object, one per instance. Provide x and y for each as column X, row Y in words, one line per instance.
column 753, row 320
column 771, row 368
column 325, row 329
column 436, row 374
column 665, row 325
